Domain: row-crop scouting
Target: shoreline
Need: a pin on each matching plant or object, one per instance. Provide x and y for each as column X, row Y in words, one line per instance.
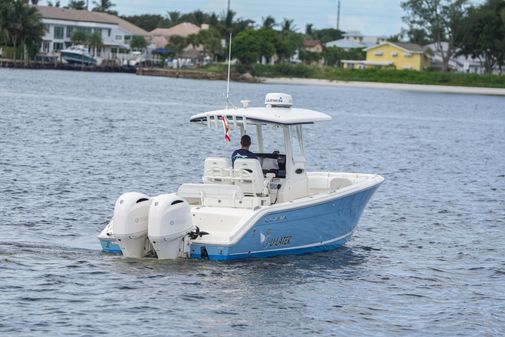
column 197, row 74
column 389, row 86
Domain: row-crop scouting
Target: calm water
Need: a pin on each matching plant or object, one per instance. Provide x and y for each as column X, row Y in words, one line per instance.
column 428, row 257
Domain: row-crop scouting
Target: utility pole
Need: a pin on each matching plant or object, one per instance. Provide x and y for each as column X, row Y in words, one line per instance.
column 338, row 15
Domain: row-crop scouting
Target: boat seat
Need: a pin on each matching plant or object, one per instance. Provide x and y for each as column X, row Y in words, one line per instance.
column 338, row 183
column 217, row 170
column 212, row 194
column 248, row 174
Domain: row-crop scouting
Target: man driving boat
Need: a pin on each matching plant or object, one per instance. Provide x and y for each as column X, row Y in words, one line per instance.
column 243, row 152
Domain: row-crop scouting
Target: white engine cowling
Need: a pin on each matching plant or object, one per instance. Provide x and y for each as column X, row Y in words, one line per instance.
column 130, row 223
column 169, row 222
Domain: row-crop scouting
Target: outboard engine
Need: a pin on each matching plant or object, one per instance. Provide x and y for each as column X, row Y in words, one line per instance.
column 169, row 222
column 130, row 223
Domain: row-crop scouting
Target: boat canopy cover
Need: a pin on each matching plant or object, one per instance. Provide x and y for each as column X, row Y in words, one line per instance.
column 261, row 115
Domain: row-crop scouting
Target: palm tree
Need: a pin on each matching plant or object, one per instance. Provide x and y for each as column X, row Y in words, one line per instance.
column 95, row 42
column 197, row 17
column 287, row 26
column 269, row 22
column 77, row 4
column 174, row 18
column 20, row 26
column 79, row 37
column 138, row 43
column 177, row 44
column 32, row 30
column 103, row 6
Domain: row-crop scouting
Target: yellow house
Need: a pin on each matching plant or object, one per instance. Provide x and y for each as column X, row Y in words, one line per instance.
column 399, row 55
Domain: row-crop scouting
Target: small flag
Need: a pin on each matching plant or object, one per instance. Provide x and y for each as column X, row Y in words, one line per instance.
column 226, row 128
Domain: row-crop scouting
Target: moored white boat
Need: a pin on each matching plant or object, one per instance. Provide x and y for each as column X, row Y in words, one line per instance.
column 256, row 208
column 78, row 55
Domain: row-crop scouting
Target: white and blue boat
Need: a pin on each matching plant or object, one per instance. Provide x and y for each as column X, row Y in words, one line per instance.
column 78, row 55
column 256, row 208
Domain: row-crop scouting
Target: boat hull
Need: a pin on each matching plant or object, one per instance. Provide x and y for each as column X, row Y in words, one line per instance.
column 317, row 227
column 76, row 58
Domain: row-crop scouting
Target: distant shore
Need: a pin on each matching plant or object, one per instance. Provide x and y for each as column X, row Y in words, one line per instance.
column 389, row 86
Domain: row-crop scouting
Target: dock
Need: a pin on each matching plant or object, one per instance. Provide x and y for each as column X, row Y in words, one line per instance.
column 20, row 64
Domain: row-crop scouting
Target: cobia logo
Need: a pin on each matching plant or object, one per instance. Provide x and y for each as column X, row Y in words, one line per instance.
column 268, row 241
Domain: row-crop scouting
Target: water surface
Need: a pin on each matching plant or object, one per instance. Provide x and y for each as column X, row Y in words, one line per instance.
column 427, row 258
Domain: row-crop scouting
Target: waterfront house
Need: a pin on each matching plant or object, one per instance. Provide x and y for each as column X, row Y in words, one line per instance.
column 161, row 36
column 398, row 55
column 313, row 46
column 60, row 23
column 457, row 63
column 356, row 40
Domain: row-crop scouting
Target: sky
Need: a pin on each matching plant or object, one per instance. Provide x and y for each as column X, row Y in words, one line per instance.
column 371, row 17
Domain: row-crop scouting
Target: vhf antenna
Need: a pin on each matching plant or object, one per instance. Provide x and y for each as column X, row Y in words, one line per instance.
column 228, row 80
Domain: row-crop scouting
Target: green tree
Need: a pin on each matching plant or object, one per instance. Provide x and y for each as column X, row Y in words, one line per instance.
column 326, row 34
column 268, row 22
column 79, row 37
column 287, row 26
column 483, row 34
column 246, row 47
column 104, row 6
column 177, row 44
column 138, row 43
column 440, row 20
column 20, row 27
column 287, row 44
column 333, row 55
column 309, row 57
column 250, row 45
column 77, row 4
column 94, row 41
column 308, row 29
column 196, row 17
column 173, row 18
column 209, row 39
column 418, row 36
column 56, row 4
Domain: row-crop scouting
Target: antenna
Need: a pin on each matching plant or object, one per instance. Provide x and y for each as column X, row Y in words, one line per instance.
column 229, row 71
column 338, row 16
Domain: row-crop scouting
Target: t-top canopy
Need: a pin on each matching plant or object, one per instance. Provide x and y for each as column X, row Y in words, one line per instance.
column 284, row 116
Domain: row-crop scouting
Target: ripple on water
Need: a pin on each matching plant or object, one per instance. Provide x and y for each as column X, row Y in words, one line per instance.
column 426, row 258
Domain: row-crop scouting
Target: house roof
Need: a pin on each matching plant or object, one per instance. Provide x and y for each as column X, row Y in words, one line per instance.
column 311, row 43
column 349, row 44
column 48, row 12
column 182, row 29
column 125, row 25
column 159, row 41
column 409, row 47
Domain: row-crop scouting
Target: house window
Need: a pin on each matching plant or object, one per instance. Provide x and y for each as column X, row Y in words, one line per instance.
column 394, row 54
column 45, row 46
column 59, row 32
column 57, row 46
column 119, row 37
column 127, row 37
column 70, row 31
column 408, row 55
column 97, row 30
column 46, row 28
column 378, row 53
column 108, row 32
